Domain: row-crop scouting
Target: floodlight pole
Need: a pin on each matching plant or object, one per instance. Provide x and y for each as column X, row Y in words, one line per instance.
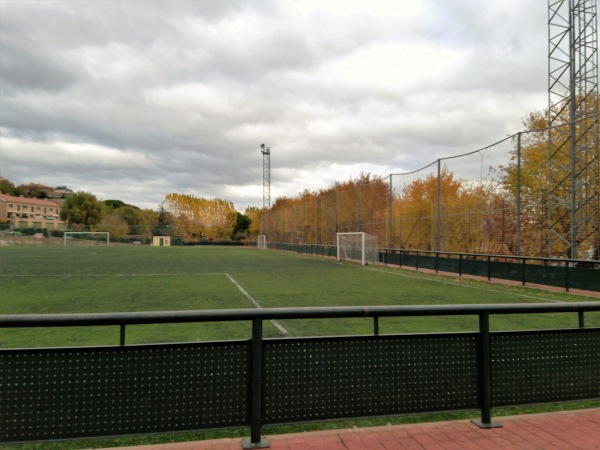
column 266, row 151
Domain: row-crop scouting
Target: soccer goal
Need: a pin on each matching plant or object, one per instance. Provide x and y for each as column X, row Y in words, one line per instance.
column 87, row 238
column 357, row 247
column 261, row 244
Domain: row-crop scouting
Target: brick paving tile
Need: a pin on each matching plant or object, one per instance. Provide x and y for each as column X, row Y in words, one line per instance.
column 567, row 430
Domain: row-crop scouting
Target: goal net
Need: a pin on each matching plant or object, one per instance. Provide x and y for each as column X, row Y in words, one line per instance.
column 87, row 238
column 261, row 244
column 357, row 247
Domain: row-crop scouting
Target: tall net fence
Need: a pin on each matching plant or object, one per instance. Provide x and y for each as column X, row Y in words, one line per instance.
column 493, row 200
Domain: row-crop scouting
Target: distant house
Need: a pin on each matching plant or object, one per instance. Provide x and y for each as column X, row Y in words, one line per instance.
column 60, row 192
column 23, row 212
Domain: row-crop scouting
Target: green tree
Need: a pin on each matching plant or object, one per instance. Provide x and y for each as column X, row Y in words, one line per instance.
column 115, row 225
column 8, row 188
column 241, row 226
column 82, row 208
column 164, row 220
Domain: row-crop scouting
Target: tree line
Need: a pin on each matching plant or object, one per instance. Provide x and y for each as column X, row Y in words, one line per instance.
column 506, row 215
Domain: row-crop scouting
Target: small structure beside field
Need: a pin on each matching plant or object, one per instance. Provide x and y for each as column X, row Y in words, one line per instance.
column 161, row 241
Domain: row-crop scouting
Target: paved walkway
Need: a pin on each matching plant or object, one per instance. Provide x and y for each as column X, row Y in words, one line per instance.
column 568, row 430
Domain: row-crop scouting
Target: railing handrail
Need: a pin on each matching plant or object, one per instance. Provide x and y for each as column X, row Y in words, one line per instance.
column 222, row 315
column 442, row 252
column 493, row 255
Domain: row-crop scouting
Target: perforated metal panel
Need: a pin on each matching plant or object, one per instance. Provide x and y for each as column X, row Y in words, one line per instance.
column 545, row 366
column 326, row 378
column 78, row 392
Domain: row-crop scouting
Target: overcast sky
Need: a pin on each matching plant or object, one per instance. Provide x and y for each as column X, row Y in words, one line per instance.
column 136, row 99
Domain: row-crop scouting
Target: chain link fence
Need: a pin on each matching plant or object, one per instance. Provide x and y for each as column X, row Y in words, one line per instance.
column 489, row 201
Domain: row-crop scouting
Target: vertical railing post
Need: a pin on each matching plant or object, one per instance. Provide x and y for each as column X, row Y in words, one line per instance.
column 581, row 319
column 519, row 194
column 256, row 440
column 485, row 374
column 376, row 325
column 122, row 337
column 523, row 271
column 567, row 280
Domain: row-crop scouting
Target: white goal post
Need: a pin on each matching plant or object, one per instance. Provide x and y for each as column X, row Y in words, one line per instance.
column 357, row 246
column 261, row 243
column 88, row 237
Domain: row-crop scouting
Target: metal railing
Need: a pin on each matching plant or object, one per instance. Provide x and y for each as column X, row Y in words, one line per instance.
column 565, row 273
column 66, row 393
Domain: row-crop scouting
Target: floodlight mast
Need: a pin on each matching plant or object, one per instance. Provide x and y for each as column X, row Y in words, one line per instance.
column 572, row 209
column 266, row 151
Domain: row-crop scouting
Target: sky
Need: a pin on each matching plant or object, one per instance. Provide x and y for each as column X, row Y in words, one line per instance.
column 136, row 99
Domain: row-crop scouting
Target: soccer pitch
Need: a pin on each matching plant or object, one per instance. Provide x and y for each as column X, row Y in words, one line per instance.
column 44, row 280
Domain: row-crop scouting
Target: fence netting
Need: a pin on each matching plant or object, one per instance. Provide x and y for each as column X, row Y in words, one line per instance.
column 493, row 200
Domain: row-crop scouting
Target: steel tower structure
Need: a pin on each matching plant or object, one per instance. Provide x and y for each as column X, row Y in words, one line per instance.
column 572, row 203
column 266, row 151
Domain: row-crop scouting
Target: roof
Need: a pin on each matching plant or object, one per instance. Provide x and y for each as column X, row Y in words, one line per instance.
column 28, row 201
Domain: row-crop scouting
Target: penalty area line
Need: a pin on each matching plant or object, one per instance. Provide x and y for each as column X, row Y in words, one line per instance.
column 255, row 303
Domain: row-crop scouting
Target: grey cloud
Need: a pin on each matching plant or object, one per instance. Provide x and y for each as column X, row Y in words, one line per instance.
column 180, row 94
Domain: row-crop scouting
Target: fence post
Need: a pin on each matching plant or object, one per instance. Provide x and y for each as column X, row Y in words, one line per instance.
column 256, row 440
column 485, row 374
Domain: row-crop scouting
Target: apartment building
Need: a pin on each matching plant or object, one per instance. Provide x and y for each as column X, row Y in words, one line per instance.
column 24, row 212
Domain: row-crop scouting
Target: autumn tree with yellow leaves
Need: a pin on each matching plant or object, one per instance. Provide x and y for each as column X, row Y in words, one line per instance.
column 196, row 217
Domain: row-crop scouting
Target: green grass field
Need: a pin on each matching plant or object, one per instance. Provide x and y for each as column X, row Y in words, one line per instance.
column 56, row 279
column 43, row 280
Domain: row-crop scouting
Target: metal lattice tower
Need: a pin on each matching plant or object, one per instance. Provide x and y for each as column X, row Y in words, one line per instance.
column 266, row 151
column 573, row 197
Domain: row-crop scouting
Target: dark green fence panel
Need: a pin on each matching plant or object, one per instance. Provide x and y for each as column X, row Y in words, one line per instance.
column 545, row 366
column 393, row 258
column 585, row 278
column 344, row 377
column 545, row 274
column 448, row 264
column 84, row 392
column 505, row 270
column 410, row 260
column 474, row 267
column 427, row 262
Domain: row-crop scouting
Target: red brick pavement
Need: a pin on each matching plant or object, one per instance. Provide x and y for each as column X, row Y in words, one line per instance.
column 567, row 430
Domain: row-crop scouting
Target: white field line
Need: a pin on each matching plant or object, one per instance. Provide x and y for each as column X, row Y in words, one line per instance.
column 255, row 303
column 465, row 285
